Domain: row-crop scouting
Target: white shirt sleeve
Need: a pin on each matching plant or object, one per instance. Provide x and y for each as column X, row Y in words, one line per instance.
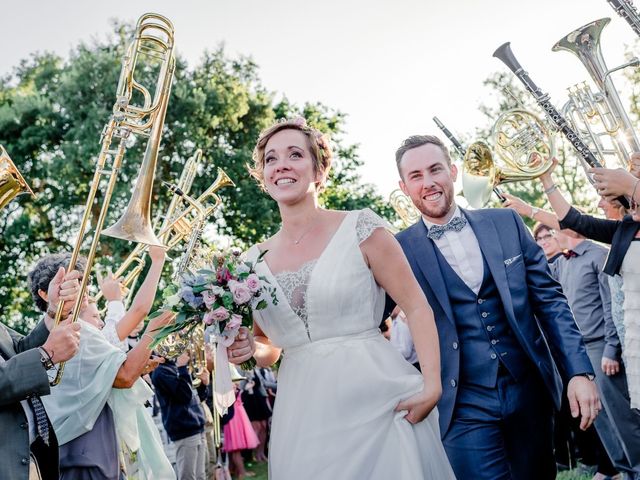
column 115, row 312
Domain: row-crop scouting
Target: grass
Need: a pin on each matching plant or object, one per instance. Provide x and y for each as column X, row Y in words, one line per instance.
column 570, row 475
column 260, row 469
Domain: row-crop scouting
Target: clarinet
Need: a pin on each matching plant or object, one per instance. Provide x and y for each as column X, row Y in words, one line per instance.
column 461, row 151
column 506, row 56
column 628, row 12
column 458, row 146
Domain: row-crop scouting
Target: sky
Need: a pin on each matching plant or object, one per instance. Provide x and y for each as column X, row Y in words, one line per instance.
column 389, row 65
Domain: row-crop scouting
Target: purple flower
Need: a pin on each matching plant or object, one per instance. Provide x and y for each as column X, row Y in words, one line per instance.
column 241, row 292
column 235, row 322
column 219, row 314
column 187, row 294
column 253, row 283
column 208, row 297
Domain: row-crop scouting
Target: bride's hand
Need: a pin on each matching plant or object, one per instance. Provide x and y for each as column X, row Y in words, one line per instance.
column 420, row 404
column 243, row 347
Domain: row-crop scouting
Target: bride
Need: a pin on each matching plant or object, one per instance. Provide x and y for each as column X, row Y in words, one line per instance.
column 349, row 406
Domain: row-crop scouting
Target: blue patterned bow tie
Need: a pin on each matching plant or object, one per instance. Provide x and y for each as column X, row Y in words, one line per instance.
column 437, row 231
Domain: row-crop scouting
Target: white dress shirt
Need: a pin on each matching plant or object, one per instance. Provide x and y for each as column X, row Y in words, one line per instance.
column 402, row 340
column 462, row 252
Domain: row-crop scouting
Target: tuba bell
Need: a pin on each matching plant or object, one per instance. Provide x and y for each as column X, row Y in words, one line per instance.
column 11, row 182
column 598, row 115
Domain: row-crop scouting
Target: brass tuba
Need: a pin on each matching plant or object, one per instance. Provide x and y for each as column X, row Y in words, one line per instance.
column 598, row 117
column 11, row 182
column 404, row 207
column 153, row 41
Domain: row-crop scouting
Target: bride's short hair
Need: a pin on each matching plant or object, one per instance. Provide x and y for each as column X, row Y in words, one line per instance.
column 319, row 145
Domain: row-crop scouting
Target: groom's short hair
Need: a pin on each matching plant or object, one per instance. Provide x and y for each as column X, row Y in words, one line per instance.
column 416, row 141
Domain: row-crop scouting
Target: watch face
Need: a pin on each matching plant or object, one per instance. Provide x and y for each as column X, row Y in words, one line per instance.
column 52, row 373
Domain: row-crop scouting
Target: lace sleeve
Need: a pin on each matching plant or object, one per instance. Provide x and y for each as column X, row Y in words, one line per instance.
column 367, row 222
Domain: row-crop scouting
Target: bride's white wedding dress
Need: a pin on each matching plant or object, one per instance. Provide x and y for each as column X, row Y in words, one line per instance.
column 340, row 379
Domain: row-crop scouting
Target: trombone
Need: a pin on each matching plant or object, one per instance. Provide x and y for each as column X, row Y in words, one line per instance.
column 133, row 265
column 154, row 39
column 11, row 182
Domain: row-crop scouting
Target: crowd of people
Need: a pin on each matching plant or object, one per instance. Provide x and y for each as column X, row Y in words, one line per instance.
column 492, row 332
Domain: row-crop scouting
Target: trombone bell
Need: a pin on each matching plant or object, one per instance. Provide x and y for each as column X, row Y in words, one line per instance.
column 11, row 182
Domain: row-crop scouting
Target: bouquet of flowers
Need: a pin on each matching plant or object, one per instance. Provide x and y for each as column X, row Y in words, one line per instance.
column 222, row 294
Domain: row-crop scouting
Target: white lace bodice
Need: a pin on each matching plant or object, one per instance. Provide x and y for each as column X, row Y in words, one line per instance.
column 332, row 295
column 294, row 286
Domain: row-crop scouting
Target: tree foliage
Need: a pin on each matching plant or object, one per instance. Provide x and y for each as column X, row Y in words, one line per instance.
column 52, row 111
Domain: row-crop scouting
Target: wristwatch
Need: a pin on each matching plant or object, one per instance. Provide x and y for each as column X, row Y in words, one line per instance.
column 534, row 211
column 45, row 359
column 590, row 376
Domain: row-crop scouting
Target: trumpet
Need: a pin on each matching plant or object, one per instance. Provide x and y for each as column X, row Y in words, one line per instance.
column 194, row 217
column 197, row 358
column 154, row 39
column 11, row 182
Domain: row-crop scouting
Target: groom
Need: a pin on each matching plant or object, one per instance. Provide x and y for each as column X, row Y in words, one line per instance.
column 507, row 336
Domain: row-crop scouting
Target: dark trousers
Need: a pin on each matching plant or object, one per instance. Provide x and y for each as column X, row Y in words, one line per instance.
column 502, row 433
column 618, row 424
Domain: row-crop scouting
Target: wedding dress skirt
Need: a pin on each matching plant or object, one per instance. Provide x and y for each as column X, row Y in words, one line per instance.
column 340, row 379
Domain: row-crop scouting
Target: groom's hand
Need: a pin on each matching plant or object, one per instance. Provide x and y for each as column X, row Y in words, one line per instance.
column 583, row 400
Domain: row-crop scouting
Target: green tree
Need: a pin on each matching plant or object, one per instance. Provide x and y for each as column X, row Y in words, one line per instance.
column 52, row 111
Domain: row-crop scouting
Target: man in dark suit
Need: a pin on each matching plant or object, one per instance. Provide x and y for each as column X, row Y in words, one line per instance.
column 27, row 437
column 500, row 315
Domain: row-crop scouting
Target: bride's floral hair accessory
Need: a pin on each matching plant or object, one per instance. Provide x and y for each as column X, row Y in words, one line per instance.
column 319, row 145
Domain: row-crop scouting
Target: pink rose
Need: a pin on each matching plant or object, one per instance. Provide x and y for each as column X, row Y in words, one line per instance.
column 219, row 314
column 235, row 322
column 208, row 297
column 240, row 291
column 253, row 283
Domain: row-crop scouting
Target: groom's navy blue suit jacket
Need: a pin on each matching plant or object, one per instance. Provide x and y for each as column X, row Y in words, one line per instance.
column 535, row 307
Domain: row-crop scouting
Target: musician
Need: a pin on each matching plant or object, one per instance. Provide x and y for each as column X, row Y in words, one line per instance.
column 27, row 442
column 98, row 393
column 120, row 322
column 620, row 428
column 497, row 308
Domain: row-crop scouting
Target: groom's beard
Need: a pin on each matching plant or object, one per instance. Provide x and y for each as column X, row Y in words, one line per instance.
column 439, row 209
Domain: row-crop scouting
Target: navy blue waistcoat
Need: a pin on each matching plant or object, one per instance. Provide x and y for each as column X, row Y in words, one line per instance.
column 484, row 334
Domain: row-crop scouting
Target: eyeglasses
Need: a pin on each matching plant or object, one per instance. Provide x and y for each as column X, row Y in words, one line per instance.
column 544, row 238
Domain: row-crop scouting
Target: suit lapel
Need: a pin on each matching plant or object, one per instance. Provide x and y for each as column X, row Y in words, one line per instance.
column 491, row 247
column 424, row 255
column 6, row 343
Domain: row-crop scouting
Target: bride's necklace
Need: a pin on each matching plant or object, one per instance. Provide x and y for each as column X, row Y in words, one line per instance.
column 299, row 239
